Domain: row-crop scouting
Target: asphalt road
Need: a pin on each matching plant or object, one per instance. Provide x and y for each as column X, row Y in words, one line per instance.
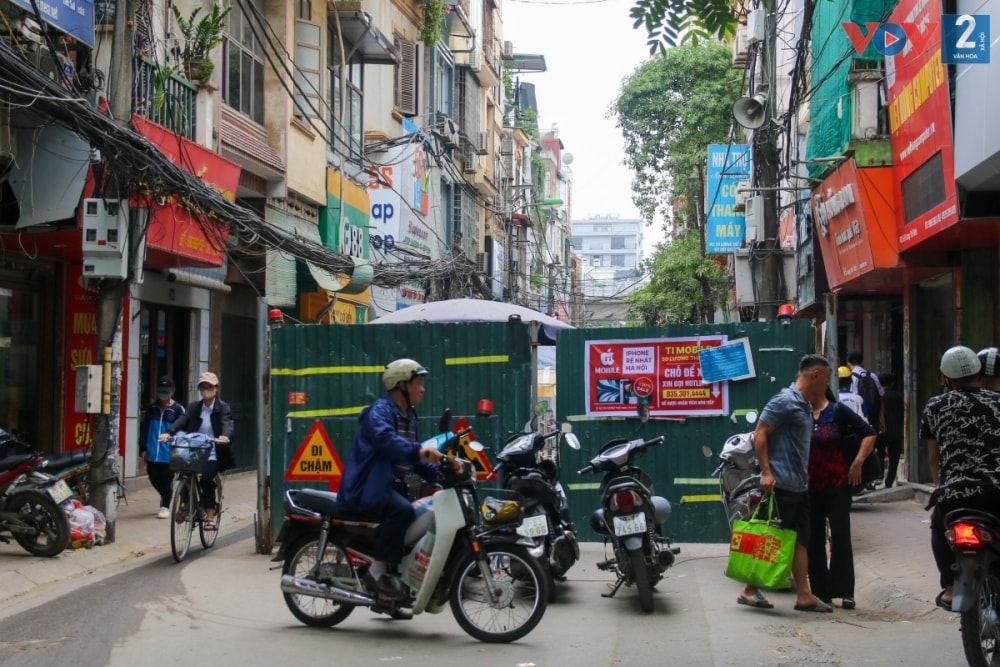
column 223, row 607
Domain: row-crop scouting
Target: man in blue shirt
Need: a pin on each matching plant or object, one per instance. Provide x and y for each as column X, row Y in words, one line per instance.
column 387, row 438
column 781, row 442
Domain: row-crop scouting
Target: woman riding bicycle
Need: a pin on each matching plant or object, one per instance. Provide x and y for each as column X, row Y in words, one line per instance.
column 212, row 417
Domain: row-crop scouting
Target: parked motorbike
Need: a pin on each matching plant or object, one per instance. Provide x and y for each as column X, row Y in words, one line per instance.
column 462, row 552
column 71, row 467
column 739, row 477
column 974, row 536
column 523, row 469
column 630, row 517
column 30, row 502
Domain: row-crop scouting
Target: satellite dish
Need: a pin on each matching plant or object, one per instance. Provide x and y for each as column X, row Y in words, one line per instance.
column 749, row 111
column 567, row 158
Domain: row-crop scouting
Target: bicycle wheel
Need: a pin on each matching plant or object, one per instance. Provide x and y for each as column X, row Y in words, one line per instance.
column 208, row 537
column 182, row 513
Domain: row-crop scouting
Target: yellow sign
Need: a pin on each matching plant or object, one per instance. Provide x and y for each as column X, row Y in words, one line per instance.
column 316, row 459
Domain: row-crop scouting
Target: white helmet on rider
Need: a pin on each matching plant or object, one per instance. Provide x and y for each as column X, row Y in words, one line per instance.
column 401, row 370
column 990, row 359
column 959, row 362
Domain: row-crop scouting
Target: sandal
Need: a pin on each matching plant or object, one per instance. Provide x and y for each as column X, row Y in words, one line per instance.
column 756, row 600
column 848, row 603
column 208, row 524
column 944, row 604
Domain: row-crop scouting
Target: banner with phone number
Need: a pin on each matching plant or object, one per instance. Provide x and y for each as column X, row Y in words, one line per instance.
column 666, row 371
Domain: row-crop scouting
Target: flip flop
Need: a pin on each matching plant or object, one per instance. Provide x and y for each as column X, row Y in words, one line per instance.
column 820, row 607
column 944, row 604
column 209, row 524
column 848, row 603
column 756, row 600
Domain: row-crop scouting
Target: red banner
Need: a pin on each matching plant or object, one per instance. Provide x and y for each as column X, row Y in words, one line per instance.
column 664, row 371
column 174, row 232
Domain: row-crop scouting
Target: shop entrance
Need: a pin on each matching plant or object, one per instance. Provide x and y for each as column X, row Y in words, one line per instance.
column 164, row 349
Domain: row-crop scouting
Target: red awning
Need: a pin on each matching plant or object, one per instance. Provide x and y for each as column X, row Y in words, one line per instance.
column 176, row 237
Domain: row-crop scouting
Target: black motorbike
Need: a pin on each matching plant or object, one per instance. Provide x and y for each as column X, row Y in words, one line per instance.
column 630, row 517
column 528, row 465
column 974, row 536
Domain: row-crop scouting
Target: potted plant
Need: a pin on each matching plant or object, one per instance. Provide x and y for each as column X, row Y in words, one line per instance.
column 201, row 35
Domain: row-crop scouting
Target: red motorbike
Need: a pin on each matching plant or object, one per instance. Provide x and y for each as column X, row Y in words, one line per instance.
column 30, row 504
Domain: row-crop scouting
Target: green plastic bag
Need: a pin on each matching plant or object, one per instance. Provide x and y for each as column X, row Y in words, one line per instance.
column 761, row 551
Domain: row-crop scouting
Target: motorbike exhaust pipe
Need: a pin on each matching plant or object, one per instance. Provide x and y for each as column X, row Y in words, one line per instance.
column 300, row 586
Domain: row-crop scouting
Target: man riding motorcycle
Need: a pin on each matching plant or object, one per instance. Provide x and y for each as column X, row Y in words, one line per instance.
column 386, row 439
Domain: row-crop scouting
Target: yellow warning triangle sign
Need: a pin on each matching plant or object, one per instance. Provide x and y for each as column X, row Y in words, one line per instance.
column 479, row 460
column 316, row 459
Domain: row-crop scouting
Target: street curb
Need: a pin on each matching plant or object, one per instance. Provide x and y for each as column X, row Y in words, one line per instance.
column 890, row 495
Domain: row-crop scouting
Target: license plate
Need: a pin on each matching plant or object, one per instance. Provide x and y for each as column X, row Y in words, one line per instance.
column 534, row 526
column 59, row 492
column 630, row 524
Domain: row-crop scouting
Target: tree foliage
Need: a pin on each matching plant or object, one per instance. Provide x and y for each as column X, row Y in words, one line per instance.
column 669, row 22
column 685, row 286
column 669, row 109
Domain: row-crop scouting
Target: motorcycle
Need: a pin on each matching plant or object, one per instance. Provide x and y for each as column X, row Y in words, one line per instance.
column 739, row 477
column 463, row 552
column 71, row 467
column 630, row 517
column 974, row 536
column 523, row 469
column 30, row 504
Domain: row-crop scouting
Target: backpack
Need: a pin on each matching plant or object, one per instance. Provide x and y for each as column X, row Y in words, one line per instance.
column 868, row 391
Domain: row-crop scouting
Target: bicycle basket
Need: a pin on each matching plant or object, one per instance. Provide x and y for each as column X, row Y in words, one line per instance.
column 190, row 455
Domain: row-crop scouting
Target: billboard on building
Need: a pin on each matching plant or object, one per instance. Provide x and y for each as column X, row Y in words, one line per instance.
column 728, row 164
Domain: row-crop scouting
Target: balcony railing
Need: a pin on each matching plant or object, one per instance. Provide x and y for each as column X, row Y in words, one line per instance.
column 165, row 98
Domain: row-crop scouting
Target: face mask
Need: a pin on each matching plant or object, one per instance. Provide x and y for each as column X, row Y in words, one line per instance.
column 163, row 395
column 207, row 393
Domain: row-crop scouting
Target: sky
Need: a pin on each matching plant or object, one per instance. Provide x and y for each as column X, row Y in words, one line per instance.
column 589, row 47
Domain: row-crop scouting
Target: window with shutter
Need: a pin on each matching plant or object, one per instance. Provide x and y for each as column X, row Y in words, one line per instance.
column 405, row 89
column 307, row 70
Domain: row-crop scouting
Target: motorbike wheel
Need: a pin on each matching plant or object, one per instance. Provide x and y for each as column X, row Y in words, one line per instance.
column 640, row 574
column 335, row 569
column 981, row 624
column 520, row 588
column 50, row 527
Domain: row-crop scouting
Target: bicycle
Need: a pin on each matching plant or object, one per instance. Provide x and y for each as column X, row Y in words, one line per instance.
column 189, row 457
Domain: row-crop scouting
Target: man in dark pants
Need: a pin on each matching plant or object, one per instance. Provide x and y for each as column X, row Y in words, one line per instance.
column 387, row 438
column 781, row 442
column 890, row 440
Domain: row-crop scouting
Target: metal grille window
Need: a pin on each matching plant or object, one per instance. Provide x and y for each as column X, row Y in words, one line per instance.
column 243, row 74
column 167, row 100
column 443, row 78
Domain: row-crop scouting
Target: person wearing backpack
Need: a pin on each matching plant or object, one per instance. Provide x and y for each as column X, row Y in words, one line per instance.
column 866, row 385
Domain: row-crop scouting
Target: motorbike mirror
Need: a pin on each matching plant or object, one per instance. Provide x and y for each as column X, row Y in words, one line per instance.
column 541, row 407
column 707, row 451
column 642, row 409
column 571, row 440
column 444, row 424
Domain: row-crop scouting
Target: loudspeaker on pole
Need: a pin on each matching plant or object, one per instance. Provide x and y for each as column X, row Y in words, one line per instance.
column 749, row 111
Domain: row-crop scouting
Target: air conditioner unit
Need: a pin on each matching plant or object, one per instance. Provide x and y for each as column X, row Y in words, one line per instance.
column 508, row 50
column 476, row 61
column 483, row 263
column 742, row 193
column 449, row 132
column 483, row 147
column 740, row 48
column 470, row 160
column 754, row 218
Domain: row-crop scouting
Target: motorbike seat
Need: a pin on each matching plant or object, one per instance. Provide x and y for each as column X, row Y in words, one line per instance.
column 971, row 514
column 325, row 502
column 15, row 461
column 66, row 459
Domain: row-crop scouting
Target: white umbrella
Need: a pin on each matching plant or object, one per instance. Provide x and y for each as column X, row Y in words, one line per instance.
column 471, row 310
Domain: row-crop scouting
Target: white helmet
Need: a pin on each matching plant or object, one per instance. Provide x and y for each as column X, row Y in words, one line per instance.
column 401, row 370
column 959, row 362
column 990, row 359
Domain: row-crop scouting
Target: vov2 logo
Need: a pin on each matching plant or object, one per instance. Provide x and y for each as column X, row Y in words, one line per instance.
column 965, row 38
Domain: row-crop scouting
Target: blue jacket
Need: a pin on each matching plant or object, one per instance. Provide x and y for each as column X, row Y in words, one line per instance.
column 157, row 420
column 378, row 448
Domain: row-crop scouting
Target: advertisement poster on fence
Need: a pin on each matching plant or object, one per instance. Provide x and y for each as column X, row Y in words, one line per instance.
column 667, row 371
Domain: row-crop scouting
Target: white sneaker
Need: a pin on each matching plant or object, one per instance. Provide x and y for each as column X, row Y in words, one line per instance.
column 164, row 513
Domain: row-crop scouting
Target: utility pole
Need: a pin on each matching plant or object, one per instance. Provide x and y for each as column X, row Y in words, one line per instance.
column 765, row 139
column 104, row 472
